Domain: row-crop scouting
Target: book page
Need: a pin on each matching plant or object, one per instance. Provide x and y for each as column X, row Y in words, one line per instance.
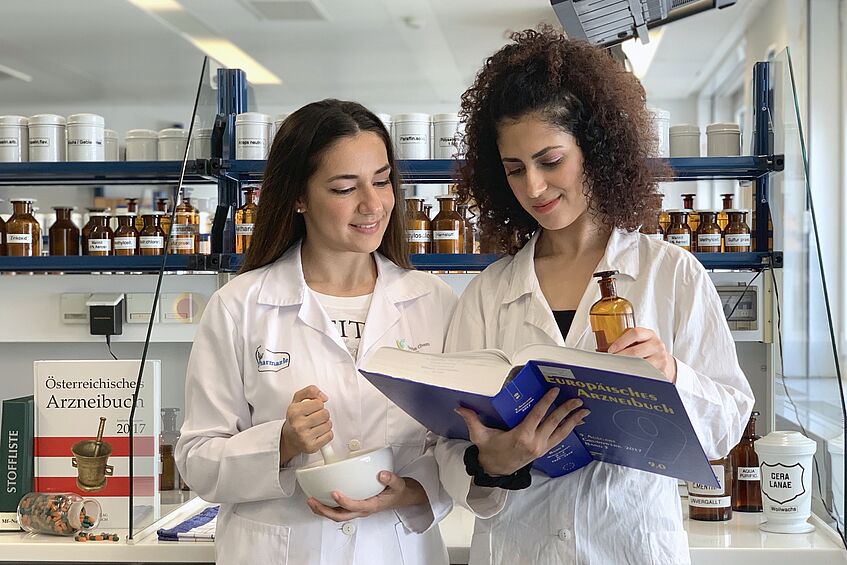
column 590, row 359
column 478, row 372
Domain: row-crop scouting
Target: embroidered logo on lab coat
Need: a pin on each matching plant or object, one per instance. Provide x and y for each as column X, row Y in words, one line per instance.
column 271, row 361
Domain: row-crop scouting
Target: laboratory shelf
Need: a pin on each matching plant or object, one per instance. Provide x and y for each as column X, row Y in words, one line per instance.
column 231, row 262
column 103, row 172
column 445, row 171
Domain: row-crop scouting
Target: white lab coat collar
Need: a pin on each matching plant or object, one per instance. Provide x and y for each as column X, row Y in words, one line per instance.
column 285, row 285
column 621, row 255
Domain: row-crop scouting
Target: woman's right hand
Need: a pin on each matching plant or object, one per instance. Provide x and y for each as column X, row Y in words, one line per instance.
column 307, row 426
column 504, row 452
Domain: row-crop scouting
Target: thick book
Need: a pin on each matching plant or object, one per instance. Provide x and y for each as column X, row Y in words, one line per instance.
column 15, row 457
column 637, row 417
column 70, row 398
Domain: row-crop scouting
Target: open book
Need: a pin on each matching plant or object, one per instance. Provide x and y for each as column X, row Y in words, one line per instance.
column 637, row 418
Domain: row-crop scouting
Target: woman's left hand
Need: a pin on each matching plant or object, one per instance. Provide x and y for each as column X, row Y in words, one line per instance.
column 399, row 492
column 644, row 343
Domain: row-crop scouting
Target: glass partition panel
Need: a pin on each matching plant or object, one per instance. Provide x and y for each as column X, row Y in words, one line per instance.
column 808, row 395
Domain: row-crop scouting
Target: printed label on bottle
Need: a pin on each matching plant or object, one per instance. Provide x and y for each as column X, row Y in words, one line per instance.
column 244, row 229
column 709, row 240
column 124, row 243
column 445, row 234
column 737, row 240
column 8, row 141
column 698, row 488
column 681, row 239
column 183, row 229
column 19, row 238
column 182, row 243
column 447, row 142
column 749, row 474
column 656, row 236
column 82, row 142
column 250, row 142
column 413, row 138
column 419, row 236
column 151, row 242
column 39, row 142
column 710, row 501
column 99, row 245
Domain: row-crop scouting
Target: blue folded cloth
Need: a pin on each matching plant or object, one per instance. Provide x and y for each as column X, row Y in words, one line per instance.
column 200, row 527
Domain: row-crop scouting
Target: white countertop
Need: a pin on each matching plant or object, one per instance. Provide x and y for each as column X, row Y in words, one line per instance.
column 737, row 542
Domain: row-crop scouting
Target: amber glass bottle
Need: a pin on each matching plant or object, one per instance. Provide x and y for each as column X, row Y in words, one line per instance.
column 23, row 234
column 709, row 236
column 162, row 205
column 132, row 208
column 185, row 233
column 126, row 236
column 2, row 236
column 679, row 232
column 612, row 315
column 736, row 236
column 712, row 504
column 101, row 238
column 245, row 219
column 726, row 204
column 448, row 227
column 467, row 232
column 151, row 239
column 747, row 488
column 86, row 229
column 418, row 229
column 63, row 234
column 693, row 215
column 653, row 231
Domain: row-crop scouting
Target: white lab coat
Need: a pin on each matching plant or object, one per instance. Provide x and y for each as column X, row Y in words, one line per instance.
column 234, row 412
column 602, row 514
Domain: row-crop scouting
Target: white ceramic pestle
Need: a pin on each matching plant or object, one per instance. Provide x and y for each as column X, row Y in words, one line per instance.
column 329, row 455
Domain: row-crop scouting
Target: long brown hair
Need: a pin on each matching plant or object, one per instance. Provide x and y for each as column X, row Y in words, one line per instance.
column 301, row 142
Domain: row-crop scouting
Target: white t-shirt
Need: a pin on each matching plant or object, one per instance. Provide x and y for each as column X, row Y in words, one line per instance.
column 348, row 313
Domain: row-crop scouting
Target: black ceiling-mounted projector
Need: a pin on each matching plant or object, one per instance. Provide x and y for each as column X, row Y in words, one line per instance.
column 608, row 22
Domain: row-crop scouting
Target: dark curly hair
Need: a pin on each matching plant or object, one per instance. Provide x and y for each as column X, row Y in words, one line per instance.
column 580, row 89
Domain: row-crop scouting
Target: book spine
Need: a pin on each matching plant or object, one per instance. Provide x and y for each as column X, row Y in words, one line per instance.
column 15, row 459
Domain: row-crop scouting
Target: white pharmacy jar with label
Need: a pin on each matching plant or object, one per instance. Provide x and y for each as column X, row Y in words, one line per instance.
column 14, row 139
column 785, row 463
column 86, row 137
column 47, row 139
column 252, row 135
column 411, row 136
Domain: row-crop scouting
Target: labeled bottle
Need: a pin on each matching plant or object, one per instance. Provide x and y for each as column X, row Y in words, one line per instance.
column 664, row 217
column 418, row 229
column 57, row 513
column 245, row 219
column 132, row 208
column 712, row 504
column 612, row 315
column 63, row 235
column 747, row 487
column 86, row 229
column 162, row 206
column 693, row 215
column 726, row 204
column 653, row 230
column 679, row 232
column 151, row 239
column 126, row 236
column 23, row 234
column 185, row 233
column 709, row 236
column 448, row 227
column 736, row 236
column 101, row 237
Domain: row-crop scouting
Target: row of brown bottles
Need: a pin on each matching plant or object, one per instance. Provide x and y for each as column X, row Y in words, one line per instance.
column 703, row 231
column 450, row 231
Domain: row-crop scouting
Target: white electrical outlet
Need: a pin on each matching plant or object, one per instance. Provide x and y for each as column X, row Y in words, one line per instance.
column 72, row 308
column 138, row 307
column 181, row 307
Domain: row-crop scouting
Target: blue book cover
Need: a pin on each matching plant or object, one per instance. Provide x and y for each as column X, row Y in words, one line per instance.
column 637, row 419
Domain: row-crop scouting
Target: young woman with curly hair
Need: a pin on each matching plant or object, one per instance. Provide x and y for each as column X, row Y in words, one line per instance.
column 557, row 139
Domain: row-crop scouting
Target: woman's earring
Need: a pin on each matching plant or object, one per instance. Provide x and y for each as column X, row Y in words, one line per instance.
column 300, row 210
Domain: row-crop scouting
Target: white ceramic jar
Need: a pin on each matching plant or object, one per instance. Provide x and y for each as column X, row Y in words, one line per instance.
column 86, row 133
column 723, row 140
column 445, row 136
column 684, row 140
column 47, row 141
column 411, row 136
column 277, row 124
column 110, row 139
column 251, row 135
column 661, row 125
column 785, row 460
column 172, row 143
column 142, row 145
column 14, row 139
column 386, row 121
column 202, row 143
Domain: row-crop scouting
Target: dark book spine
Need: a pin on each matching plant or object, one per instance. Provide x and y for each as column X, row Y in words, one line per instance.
column 16, row 458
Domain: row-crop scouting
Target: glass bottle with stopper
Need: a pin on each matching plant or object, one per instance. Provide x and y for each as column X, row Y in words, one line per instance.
column 612, row 315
